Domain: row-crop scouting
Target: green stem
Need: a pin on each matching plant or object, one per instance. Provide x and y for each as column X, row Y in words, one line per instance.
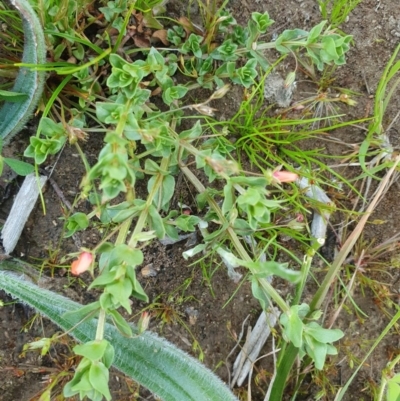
column 271, row 292
column 83, row 157
column 305, row 269
column 123, row 231
column 100, row 325
column 283, row 371
column 65, row 70
column 140, row 224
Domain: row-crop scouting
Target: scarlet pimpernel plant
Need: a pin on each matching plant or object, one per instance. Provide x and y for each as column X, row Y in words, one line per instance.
column 145, row 141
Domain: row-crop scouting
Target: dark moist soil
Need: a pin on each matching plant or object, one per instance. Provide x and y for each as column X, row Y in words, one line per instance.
column 180, row 291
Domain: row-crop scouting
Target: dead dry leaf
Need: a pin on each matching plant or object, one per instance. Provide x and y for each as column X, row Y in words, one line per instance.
column 161, row 35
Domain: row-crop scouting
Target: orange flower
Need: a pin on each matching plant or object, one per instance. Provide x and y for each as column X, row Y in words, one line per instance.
column 284, row 176
column 82, row 264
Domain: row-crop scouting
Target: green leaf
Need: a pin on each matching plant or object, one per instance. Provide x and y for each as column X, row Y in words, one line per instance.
column 152, row 167
column 315, row 32
column 156, row 222
column 98, row 376
column 40, row 148
column 393, row 393
column 103, row 280
column 10, row 96
column 323, row 335
column 78, row 221
column 173, row 93
column 245, row 75
column 329, row 48
column 229, row 198
column 184, row 380
column 82, row 385
column 120, row 323
column 50, row 128
column 79, row 51
column 242, row 227
column 293, row 326
column 123, row 253
column 317, row 351
column 277, row 269
column 193, row 44
column 106, row 301
column 138, row 292
column 20, row 167
column 121, row 290
column 225, row 52
column 193, row 132
column 292, row 36
column 85, row 311
column 164, row 194
column 250, row 181
column 170, row 231
column 120, row 213
column 168, row 190
column 109, row 113
column 259, row 293
column 109, row 354
column 187, row 223
column 262, row 21
column 250, row 197
column 92, row 350
column 261, row 59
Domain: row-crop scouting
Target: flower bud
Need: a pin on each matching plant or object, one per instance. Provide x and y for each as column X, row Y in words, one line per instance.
column 290, row 80
column 203, row 109
column 281, row 176
column 346, row 99
column 144, row 321
column 221, row 92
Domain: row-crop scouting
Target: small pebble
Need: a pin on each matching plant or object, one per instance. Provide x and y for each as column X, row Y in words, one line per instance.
column 149, row 271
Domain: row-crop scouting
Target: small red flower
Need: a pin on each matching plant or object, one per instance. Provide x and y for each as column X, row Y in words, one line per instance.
column 82, row 264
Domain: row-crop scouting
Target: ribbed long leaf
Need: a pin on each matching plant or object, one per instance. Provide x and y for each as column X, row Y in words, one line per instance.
column 150, row 360
column 13, row 115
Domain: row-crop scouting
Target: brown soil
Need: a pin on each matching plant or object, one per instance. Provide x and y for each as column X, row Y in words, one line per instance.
column 181, row 288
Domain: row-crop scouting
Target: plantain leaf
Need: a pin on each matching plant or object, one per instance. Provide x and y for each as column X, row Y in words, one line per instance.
column 148, row 359
column 14, row 114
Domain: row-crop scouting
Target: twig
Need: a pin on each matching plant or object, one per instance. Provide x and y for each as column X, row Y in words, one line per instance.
column 253, row 345
column 274, row 352
column 234, row 348
column 349, row 287
column 60, row 194
column 20, row 211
